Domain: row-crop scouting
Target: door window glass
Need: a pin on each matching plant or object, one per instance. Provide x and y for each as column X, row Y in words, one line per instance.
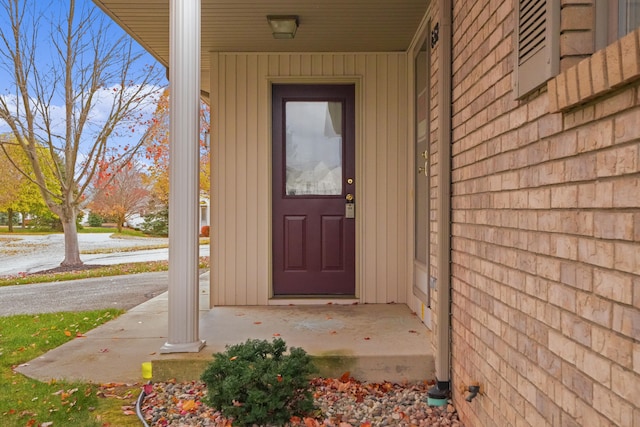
column 313, row 151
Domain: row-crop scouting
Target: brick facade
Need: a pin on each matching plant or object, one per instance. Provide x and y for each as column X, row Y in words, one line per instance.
column 546, row 226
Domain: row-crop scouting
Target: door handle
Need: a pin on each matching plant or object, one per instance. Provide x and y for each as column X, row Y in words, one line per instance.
column 349, row 207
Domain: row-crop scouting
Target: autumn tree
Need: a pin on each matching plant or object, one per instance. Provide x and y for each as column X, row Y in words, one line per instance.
column 19, row 193
column 119, row 194
column 156, row 143
column 75, row 91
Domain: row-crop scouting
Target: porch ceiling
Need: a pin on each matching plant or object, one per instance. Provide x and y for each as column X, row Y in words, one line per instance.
column 241, row 25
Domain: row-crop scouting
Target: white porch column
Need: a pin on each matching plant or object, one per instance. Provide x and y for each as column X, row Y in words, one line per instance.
column 184, row 206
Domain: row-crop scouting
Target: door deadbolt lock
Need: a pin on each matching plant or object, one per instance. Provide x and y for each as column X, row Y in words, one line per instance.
column 349, row 197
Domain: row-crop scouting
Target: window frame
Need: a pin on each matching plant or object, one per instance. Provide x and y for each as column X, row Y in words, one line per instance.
column 610, row 22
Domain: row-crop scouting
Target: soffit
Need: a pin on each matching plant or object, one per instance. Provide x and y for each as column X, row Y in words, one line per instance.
column 241, row 25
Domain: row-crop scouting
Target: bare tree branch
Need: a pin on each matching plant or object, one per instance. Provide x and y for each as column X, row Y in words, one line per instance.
column 74, row 92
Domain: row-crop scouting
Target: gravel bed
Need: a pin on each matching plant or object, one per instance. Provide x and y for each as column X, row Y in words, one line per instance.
column 342, row 404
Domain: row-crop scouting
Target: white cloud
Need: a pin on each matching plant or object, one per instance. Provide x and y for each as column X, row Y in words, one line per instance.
column 129, row 130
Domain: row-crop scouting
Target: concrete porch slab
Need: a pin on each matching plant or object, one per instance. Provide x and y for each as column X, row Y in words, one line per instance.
column 373, row 342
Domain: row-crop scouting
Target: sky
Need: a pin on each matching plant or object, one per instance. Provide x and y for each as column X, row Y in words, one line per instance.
column 49, row 10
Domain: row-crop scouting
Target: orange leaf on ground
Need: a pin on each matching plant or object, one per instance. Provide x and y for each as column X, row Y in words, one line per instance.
column 80, row 335
column 189, row 405
column 276, row 334
column 310, row 422
column 345, row 377
column 67, row 333
column 367, row 338
column 257, row 323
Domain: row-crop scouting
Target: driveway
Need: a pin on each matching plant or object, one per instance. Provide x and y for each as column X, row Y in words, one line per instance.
column 32, row 253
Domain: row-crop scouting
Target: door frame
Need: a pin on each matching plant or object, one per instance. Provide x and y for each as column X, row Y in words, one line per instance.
column 359, row 183
column 420, row 274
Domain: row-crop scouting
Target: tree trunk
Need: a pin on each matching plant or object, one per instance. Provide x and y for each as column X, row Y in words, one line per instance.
column 24, row 220
column 71, row 247
column 10, row 219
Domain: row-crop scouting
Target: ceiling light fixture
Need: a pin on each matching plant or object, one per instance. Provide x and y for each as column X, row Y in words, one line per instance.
column 283, row 26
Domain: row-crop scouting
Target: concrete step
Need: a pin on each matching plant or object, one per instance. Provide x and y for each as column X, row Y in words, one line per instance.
column 374, row 343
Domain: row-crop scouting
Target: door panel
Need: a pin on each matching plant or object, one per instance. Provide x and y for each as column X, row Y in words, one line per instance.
column 332, row 238
column 295, row 237
column 313, row 171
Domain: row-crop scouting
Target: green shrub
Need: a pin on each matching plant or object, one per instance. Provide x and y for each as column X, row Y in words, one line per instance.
column 257, row 383
column 94, row 220
column 157, row 223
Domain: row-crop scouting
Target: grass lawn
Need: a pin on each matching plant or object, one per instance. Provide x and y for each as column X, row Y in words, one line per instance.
column 27, row 402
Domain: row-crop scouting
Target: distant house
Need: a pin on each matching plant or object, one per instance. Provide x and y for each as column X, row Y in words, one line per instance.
column 488, row 177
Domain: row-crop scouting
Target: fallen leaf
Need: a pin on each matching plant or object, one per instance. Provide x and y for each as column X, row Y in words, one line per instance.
column 152, row 353
column 104, row 350
column 367, row 338
column 189, row 405
column 310, row 422
column 333, row 332
column 257, row 323
column 128, row 412
column 47, row 424
column 276, row 334
column 411, row 331
column 233, row 358
column 345, row 377
column 67, row 333
column 80, row 335
column 279, row 378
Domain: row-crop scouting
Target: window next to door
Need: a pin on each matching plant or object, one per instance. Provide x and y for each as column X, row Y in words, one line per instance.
column 595, row 74
column 552, row 37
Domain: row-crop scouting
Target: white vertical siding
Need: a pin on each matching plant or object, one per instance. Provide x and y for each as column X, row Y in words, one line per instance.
column 241, row 176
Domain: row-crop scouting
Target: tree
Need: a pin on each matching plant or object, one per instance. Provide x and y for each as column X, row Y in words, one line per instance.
column 19, row 193
column 81, row 65
column 156, row 143
column 120, row 194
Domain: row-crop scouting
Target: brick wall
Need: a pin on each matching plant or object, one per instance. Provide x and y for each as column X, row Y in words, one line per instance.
column 546, row 228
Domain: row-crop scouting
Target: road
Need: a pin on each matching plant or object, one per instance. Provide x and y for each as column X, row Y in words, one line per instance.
column 32, row 253
column 122, row 292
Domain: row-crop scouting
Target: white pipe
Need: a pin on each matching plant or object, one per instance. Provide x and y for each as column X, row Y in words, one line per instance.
column 443, row 263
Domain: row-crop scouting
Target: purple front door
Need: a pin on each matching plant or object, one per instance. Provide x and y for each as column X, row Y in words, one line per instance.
column 314, row 195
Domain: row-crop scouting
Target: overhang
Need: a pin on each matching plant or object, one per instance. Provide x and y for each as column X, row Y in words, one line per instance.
column 241, row 25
